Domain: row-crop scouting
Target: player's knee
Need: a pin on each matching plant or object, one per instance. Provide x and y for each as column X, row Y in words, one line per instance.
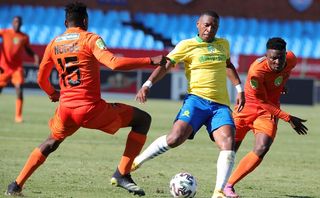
column 174, row 140
column 261, row 150
column 147, row 119
column 49, row 146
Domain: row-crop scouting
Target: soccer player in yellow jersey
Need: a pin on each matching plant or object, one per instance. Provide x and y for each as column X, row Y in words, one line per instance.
column 207, row 65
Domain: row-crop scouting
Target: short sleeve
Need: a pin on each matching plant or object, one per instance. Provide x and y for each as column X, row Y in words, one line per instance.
column 179, row 53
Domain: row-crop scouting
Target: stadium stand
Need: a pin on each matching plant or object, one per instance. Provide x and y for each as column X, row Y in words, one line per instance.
column 160, row 30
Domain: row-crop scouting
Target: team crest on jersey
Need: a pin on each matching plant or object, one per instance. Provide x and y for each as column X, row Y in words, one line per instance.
column 186, row 113
column 254, row 83
column 278, row 81
column 210, row 48
column 16, row 40
column 100, row 43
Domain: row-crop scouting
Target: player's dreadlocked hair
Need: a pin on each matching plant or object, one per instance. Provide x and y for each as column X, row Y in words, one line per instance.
column 276, row 43
column 76, row 12
column 210, row 13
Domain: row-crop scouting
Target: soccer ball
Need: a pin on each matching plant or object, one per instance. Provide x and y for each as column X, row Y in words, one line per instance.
column 183, row 185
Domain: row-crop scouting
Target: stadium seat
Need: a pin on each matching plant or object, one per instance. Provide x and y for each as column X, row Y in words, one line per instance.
column 127, row 37
column 138, row 42
column 316, row 49
column 158, row 45
column 148, row 42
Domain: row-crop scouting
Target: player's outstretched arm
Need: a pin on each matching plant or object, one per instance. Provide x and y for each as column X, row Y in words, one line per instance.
column 156, row 75
column 297, row 124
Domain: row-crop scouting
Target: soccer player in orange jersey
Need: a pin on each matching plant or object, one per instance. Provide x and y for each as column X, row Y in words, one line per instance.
column 266, row 79
column 77, row 55
column 11, row 51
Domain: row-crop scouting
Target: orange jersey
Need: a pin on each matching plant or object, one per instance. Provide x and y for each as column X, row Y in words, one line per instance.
column 13, row 44
column 77, row 55
column 264, row 86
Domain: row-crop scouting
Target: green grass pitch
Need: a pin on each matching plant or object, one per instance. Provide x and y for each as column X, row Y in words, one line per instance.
column 84, row 163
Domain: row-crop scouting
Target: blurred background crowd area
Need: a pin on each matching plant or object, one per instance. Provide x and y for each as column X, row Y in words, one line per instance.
column 146, row 27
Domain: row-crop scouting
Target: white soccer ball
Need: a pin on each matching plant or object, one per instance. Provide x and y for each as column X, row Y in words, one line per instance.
column 183, row 185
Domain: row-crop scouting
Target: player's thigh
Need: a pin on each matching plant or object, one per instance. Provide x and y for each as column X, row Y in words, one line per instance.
column 221, row 116
column 61, row 124
column 195, row 111
column 18, row 77
column 266, row 124
column 4, row 78
column 109, row 117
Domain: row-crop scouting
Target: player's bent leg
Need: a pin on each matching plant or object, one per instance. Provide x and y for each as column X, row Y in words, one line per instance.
column 141, row 121
column 179, row 134
column 224, row 137
column 262, row 145
column 36, row 159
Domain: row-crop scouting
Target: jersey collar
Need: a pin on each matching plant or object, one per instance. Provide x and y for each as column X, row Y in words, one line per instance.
column 200, row 39
column 74, row 29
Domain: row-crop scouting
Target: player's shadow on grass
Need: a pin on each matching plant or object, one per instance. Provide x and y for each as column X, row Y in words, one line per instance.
column 295, row 196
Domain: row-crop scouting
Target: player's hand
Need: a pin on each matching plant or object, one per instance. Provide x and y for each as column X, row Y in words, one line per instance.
column 142, row 94
column 55, row 96
column 159, row 60
column 240, row 101
column 36, row 60
column 297, row 124
column 284, row 91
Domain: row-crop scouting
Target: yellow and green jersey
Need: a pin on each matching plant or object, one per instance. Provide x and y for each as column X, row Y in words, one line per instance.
column 205, row 67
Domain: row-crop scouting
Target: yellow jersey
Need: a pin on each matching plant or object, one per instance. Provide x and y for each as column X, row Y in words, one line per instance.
column 205, row 67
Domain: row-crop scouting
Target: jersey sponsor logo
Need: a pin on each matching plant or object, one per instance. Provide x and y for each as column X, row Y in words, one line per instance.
column 278, row 81
column 186, row 113
column 212, row 58
column 100, row 44
column 68, row 37
column 254, row 83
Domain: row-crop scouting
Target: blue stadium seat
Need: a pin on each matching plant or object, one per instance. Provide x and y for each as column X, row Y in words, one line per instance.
column 249, row 45
column 296, row 46
column 124, row 16
column 316, row 49
column 158, row 45
column 307, row 48
column 138, row 42
column 115, row 39
column 260, row 48
column 238, row 44
column 127, row 37
column 148, row 42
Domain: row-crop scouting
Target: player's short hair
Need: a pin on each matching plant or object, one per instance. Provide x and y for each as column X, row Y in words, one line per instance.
column 276, row 43
column 18, row 17
column 210, row 13
column 76, row 12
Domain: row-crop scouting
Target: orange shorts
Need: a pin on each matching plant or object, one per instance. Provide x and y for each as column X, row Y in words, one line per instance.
column 257, row 120
column 16, row 76
column 107, row 117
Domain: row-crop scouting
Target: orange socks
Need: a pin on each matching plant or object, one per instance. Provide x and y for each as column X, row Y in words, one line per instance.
column 18, row 117
column 134, row 145
column 245, row 166
column 36, row 158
